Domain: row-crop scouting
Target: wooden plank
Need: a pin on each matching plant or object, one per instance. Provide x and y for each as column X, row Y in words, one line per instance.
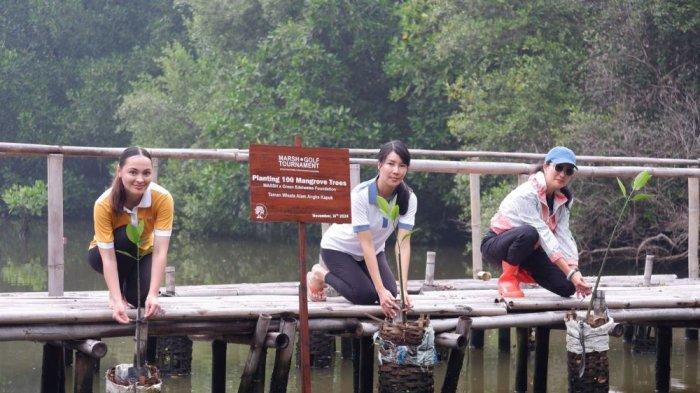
column 55, row 225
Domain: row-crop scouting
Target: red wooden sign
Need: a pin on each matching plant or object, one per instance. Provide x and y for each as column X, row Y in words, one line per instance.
column 299, row 184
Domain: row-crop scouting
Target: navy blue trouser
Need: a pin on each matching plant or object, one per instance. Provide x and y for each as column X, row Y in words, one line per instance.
column 126, row 267
column 351, row 278
column 516, row 247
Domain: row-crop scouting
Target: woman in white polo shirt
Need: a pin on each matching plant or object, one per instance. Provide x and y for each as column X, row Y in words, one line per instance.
column 354, row 253
column 132, row 197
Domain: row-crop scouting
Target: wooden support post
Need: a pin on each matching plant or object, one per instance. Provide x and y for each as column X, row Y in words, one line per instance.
column 628, row 335
column 475, row 206
column 283, row 357
column 55, row 225
column 693, row 225
column 476, row 371
column 664, row 338
column 476, row 340
column 503, row 372
column 522, row 336
column 218, row 366
column 366, row 380
column 346, row 347
column 541, row 359
column 648, row 268
column 53, row 377
column 504, row 340
column 259, row 377
column 356, row 365
column 68, row 357
column 83, row 373
column 430, row 268
column 256, row 349
column 456, row 359
column 690, row 363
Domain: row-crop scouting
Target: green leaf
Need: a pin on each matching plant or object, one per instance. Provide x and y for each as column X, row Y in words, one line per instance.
column 132, row 232
column 140, row 228
column 641, row 180
column 383, row 205
column 394, row 212
column 641, row 197
column 622, row 187
column 126, row 253
column 407, row 235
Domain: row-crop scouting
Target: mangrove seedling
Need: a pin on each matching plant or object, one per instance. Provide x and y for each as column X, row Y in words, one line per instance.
column 133, row 233
column 634, row 195
column 390, row 210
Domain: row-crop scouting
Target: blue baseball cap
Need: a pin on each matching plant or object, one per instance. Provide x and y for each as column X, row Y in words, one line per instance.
column 561, row 155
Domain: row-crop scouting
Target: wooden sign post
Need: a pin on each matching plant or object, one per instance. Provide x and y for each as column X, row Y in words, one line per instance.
column 303, row 185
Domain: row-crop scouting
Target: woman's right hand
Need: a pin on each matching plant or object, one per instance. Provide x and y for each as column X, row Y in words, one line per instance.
column 582, row 287
column 388, row 303
column 119, row 307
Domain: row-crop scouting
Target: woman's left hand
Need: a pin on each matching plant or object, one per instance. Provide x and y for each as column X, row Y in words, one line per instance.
column 583, row 288
column 152, row 306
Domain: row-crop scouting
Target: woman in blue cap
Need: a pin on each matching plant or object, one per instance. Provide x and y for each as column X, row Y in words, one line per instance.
column 530, row 233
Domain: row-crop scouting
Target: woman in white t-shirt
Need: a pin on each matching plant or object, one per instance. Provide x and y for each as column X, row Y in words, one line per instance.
column 353, row 254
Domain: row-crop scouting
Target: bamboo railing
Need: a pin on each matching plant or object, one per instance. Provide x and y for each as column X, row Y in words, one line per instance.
column 475, row 169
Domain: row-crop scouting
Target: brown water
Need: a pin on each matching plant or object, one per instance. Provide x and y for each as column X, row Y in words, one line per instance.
column 22, row 268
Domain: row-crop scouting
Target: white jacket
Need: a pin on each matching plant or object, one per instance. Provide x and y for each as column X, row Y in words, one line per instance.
column 527, row 205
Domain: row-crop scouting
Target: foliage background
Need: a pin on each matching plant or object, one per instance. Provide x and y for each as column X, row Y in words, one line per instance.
column 605, row 78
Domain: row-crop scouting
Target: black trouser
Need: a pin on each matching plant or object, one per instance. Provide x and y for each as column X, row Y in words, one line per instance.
column 516, row 247
column 351, row 278
column 126, row 267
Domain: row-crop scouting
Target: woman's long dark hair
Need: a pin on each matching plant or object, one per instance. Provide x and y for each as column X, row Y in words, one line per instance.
column 564, row 190
column 118, row 194
column 403, row 191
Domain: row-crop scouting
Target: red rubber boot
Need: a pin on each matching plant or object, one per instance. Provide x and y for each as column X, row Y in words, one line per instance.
column 508, row 283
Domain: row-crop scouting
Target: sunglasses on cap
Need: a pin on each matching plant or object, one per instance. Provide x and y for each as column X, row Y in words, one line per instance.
column 568, row 169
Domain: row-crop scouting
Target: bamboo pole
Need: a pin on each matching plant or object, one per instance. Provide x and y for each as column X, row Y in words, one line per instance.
column 272, row 340
column 451, row 340
column 429, row 268
column 27, row 148
column 53, row 378
column 218, row 366
column 534, row 156
column 93, row 348
column 283, row 357
column 693, row 226
column 170, row 280
column 456, row 358
column 522, row 335
column 541, row 359
column 254, row 356
column 83, row 372
column 55, row 225
column 648, row 267
column 475, row 208
column 258, row 384
column 664, row 339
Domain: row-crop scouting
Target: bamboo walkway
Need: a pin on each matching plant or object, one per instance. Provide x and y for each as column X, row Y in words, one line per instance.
column 24, row 315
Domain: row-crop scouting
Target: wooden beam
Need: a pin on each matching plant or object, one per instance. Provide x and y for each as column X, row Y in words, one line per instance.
column 218, row 366
column 283, row 357
column 255, row 354
column 522, row 335
column 456, row 358
column 53, row 377
column 664, row 339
